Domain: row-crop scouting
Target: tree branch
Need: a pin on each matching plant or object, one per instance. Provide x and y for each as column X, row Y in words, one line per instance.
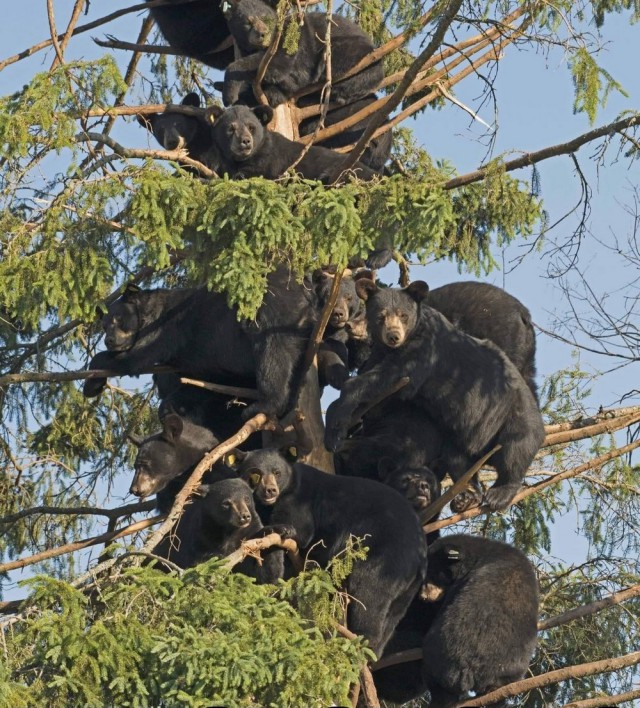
column 79, row 545
column 178, row 155
column 531, row 158
column 85, row 28
column 569, row 672
column 535, row 488
column 79, row 511
column 578, row 612
column 380, row 116
column 255, row 545
column 605, row 701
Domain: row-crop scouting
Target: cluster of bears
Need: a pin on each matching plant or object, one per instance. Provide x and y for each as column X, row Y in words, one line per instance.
column 429, row 381
column 468, row 351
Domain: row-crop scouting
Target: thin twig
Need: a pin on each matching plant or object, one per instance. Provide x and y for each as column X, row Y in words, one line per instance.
column 79, row 511
column 236, row 391
column 75, row 14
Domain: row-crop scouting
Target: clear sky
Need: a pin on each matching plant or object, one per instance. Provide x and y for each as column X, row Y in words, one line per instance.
column 535, row 99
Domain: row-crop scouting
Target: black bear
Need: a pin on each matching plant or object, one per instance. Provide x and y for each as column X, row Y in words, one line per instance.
column 166, row 459
column 488, row 312
column 248, row 149
column 175, row 130
column 420, row 486
column 253, row 24
column 214, row 525
column 195, row 331
column 378, row 150
column 196, row 30
column 320, row 511
column 469, row 386
column 484, row 632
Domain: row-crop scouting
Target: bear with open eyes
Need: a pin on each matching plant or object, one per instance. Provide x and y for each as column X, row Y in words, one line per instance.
column 198, row 333
column 248, row 149
column 469, row 386
column 253, row 23
column 175, row 130
column 484, row 633
column 215, row 524
column 320, row 511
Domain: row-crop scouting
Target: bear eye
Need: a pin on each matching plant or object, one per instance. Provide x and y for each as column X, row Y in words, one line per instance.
column 404, row 317
column 275, row 473
column 226, row 504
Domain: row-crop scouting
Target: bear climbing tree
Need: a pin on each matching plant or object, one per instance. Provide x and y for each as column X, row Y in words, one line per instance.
column 119, row 169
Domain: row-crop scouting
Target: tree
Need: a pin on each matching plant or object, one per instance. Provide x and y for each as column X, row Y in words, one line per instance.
column 82, row 213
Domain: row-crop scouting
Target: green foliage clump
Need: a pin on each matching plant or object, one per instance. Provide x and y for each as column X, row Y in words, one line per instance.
column 592, row 84
column 207, row 637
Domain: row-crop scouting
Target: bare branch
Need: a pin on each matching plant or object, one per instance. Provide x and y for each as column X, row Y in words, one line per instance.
column 569, row 672
column 220, row 388
column 578, row 612
column 75, row 14
column 255, row 545
column 535, row 488
column 79, row 545
column 79, row 511
column 531, row 158
column 113, row 43
column 378, row 118
column 605, row 701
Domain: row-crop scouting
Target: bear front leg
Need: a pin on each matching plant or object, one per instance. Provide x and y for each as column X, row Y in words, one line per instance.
column 95, row 386
column 238, row 81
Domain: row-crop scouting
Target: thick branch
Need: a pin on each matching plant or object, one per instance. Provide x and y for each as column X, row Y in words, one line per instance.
column 379, row 117
column 535, row 488
column 569, row 672
column 614, row 599
column 531, row 158
column 79, row 545
column 583, row 429
column 603, row 414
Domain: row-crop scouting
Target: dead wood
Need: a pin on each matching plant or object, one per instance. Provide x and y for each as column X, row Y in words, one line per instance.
column 253, row 547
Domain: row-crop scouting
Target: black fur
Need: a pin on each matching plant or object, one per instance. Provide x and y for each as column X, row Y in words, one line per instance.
column 488, row 312
column 175, row 130
column 214, row 525
column 195, row 331
column 467, row 385
column 248, row 149
column 252, row 24
column 484, row 634
column 195, row 29
column 378, row 150
column 312, row 506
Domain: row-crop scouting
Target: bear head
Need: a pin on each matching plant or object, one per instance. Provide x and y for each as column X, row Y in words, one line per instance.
column 228, row 503
column 392, row 314
column 266, row 471
column 239, row 131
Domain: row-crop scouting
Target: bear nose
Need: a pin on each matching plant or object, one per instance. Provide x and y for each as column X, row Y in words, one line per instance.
column 245, row 141
column 245, row 517
column 109, row 340
column 134, row 489
column 423, row 486
column 393, row 337
column 270, row 492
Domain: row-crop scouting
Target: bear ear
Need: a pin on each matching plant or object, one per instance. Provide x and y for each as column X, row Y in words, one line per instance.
column 146, row 120
column 135, row 440
column 368, row 274
column 263, row 113
column 101, row 311
column 320, row 276
column 453, row 555
column 234, row 458
column 191, row 99
column 203, row 489
column 227, row 6
column 386, row 467
column 130, row 291
column 366, row 288
column 213, row 113
column 418, row 290
column 289, row 452
column 172, row 427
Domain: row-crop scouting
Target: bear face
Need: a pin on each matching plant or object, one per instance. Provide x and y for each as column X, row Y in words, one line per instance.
column 168, row 455
column 239, row 132
column 266, row 472
column 121, row 324
column 251, row 24
column 419, row 485
column 174, row 130
column 228, row 503
column 392, row 314
column 347, row 304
